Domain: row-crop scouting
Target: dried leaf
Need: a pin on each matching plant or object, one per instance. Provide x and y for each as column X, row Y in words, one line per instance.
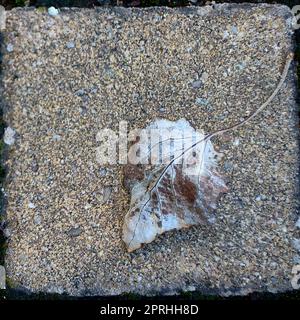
column 179, row 189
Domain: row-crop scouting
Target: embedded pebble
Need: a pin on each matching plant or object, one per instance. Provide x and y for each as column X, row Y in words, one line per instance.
column 107, row 191
column 296, row 244
column 236, row 142
column 56, row 137
column 37, row 219
column 201, row 101
column 74, row 232
column 52, row 11
column 197, row 84
column 9, row 136
column 228, row 166
column 225, row 34
column 103, row 172
column 80, row 92
column 31, row 205
column 70, row 45
column 234, row 30
column 204, row 77
column 10, row 48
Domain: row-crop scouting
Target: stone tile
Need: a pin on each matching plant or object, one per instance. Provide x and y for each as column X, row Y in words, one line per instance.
column 71, row 75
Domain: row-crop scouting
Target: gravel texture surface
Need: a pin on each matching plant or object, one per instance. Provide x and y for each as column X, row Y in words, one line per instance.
column 66, row 77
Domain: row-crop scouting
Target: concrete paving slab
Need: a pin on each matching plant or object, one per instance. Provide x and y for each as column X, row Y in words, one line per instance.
column 67, row 77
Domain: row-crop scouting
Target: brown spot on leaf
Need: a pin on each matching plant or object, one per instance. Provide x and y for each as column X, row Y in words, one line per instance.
column 185, row 187
column 132, row 174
